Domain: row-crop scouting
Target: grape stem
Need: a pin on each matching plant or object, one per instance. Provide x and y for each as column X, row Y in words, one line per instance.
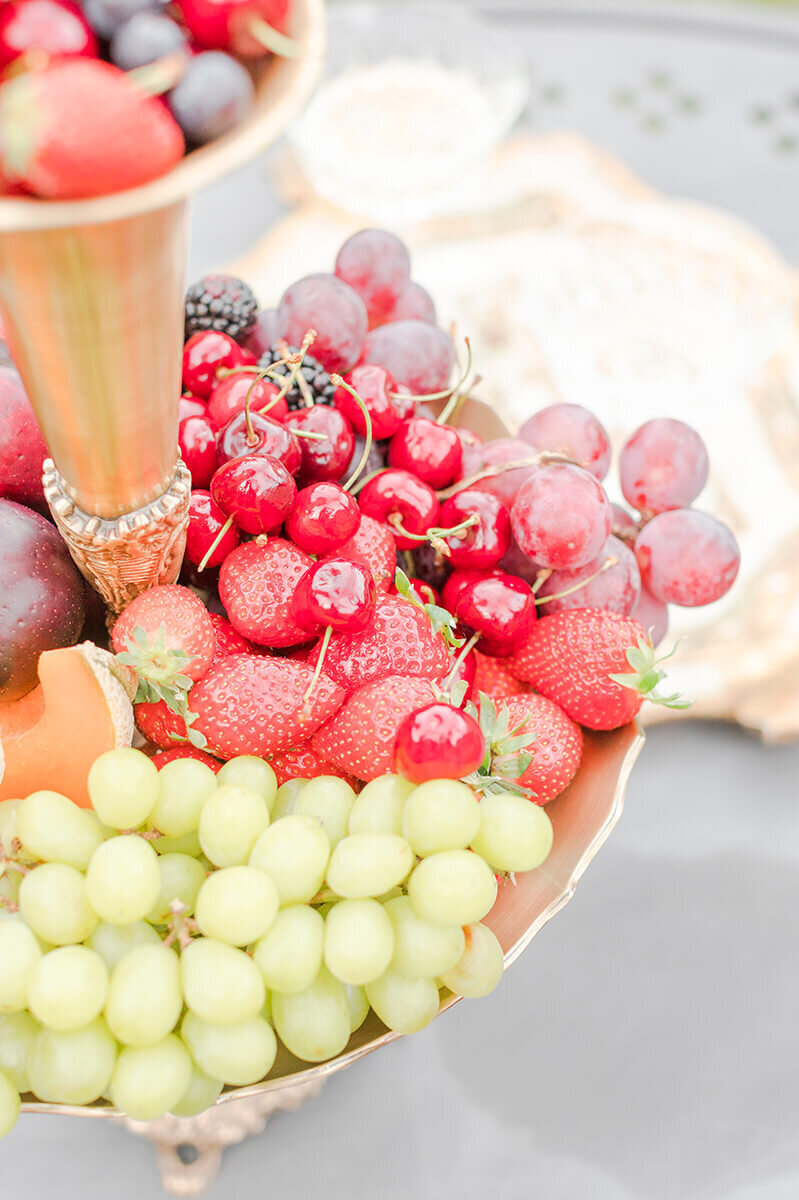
column 337, row 381
column 204, row 560
column 575, row 587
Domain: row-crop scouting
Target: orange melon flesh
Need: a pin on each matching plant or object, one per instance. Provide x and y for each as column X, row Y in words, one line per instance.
column 50, row 738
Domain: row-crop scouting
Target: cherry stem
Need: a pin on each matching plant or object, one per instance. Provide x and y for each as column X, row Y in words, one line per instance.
column 445, row 393
column 308, row 433
column 252, row 436
column 337, row 381
column 538, row 460
column 435, row 534
column 457, row 395
column 319, row 664
column 459, row 657
column 155, row 78
column 204, row 560
column 575, row 587
column 541, row 579
column 272, row 39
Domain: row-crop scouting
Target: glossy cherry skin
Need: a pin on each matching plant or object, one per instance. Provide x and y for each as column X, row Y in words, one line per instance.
column 203, row 355
column 226, row 24
column 457, row 582
column 464, row 672
column 229, row 394
column 323, row 518
column 424, row 592
column 189, row 407
column 430, row 451
column 326, row 459
column 375, row 386
column 336, row 592
column 400, row 495
column 55, row 27
column 256, row 491
column 197, row 442
column 438, row 742
column 205, row 521
column 270, row 437
column 501, row 608
column 484, row 544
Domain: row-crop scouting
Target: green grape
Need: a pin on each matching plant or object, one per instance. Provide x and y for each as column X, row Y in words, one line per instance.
column 123, row 881
column 74, row 1067
column 359, row 941
column 422, row 950
column 181, row 879
column 289, row 955
column 54, row 829
column 266, row 1011
column 201, row 1093
column 123, row 787
column 237, row 905
column 251, row 772
column 328, row 799
column 358, row 1002
column 514, row 834
column 286, row 799
column 294, row 851
column 184, row 786
column 232, row 819
column 480, row 968
column 454, row 887
column 221, row 984
column 378, row 808
column 8, row 828
column 19, row 954
column 9, row 890
column 9, row 1105
column 443, row 814
column 368, row 864
column 314, row 1024
column 17, row 1032
column 404, row 1005
column 144, row 996
column 237, row 1054
column 185, row 843
column 150, row 1080
column 111, row 942
column 68, row 988
column 54, row 901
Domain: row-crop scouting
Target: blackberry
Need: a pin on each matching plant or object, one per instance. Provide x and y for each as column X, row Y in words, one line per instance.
column 313, row 373
column 220, row 302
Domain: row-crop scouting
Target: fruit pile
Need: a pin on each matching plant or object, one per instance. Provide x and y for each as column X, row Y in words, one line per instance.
column 388, row 638
column 80, row 113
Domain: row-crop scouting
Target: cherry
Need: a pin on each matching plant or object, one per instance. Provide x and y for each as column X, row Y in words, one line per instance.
column 438, row 742
column 248, row 28
column 203, row 355
column 375, row 387
column 430, row 566
column 484, row 543
column 55, row 28
column 463, row 669
column 258, row 435
column 405, row 503
column 329, row 458
column 337, row 593
column 189, row 407
column 457, row 581
column 229, row 394
column 500, row 608
column 206, row 522
column 197, row 442
column 431, row 451
column 256, row 491
column 424, row 592
column 324, row 516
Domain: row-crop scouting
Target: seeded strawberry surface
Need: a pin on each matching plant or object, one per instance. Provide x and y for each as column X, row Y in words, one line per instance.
column 158, row 723
column 187, row 625
column 493, row 677
column 302, row 762
column 256, row 583
column 228, row 640
column 556, row 750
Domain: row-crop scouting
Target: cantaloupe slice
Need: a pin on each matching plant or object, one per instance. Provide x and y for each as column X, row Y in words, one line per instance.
column 50, row 738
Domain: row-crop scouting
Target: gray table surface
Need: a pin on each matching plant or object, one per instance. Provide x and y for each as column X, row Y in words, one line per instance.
column 645, row 1046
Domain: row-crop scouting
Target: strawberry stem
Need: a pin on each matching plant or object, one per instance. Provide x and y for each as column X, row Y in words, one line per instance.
column 337, row 381
column 204, row 560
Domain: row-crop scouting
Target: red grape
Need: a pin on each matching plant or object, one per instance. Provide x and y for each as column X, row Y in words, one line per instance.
column 331, row 307
column 574, row 431
column 561, row 516
column 687, row 557
column 653, row 614
column 377, row 265
column 413, row 303
column 616, row 588
column 664, row 465
column 493, row 454
column 416, row 355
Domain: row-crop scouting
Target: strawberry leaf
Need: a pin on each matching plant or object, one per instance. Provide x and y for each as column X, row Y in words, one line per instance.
column 646, row 675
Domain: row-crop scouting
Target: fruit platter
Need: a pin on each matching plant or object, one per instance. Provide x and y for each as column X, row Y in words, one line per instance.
column 260, row 817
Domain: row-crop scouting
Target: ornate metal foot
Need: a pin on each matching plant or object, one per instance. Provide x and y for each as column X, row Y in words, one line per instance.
column 123, row 556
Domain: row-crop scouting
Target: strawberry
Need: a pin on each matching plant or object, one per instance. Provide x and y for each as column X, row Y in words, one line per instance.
column 159, row 724
column 373, row 545
column 555, row 751
column 167, row 637
column 302, row 762
column 581, row 659
column 79, row 127
column 256, row 583
column 492, row 677
column 228, row 641
column 168, row 756
column 247, row 704
column 360, row 738
column 399, row 641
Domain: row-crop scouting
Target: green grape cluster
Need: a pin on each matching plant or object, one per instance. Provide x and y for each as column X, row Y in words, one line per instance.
column 155, row 949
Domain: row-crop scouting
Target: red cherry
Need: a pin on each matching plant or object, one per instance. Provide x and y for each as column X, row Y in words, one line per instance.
column 197, row 442
column 268, row 437
column 438, row 742
column 424, row 592
column 327, row 459
column 189, row 407
column 323, row 518
column 204, row 353
column 484, row 544
column 228, row 396
column 401, row 501
column 464, row 672
column 256, row 491
column 206, row 520
column 337, row 593
column 501, row 608
column 432, row 452
column 228, row 24
column 457, row 582
column 374, row 385
column 54, row 27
